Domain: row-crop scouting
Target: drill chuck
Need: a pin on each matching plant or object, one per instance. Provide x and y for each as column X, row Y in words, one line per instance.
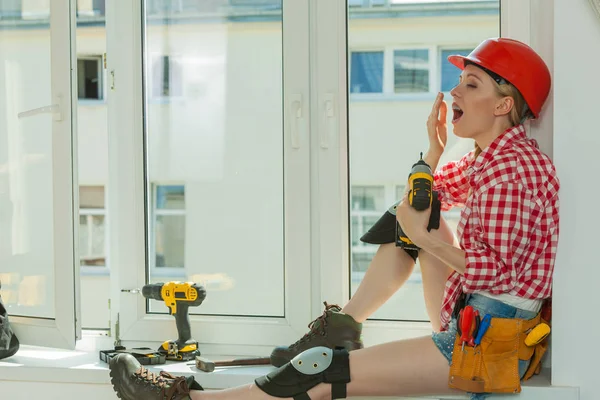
column 153, row 291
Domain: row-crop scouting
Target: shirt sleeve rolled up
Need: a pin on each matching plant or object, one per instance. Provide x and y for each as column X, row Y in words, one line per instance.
column 452, row 183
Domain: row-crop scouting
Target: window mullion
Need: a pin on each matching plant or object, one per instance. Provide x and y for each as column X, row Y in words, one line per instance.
column 126, row 197
column 330, row 147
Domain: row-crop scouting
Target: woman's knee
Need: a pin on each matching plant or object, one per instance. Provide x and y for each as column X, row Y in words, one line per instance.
column 444, row 232
column 392, row 255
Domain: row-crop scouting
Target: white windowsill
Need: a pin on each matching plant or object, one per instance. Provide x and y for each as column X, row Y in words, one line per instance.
column 36, row 364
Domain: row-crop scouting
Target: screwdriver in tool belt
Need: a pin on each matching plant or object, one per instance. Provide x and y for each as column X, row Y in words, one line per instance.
column 483, row 327
column 466, row 322
column 476, row 323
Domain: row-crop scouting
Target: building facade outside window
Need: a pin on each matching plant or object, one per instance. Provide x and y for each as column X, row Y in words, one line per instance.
column 92, row 227
column 89, row 78
column 366, row 72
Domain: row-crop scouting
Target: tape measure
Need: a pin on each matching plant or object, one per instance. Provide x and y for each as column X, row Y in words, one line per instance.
column 537, row 334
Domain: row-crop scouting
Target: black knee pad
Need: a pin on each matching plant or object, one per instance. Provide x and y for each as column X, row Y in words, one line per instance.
column 384, row 230
column 307, row 370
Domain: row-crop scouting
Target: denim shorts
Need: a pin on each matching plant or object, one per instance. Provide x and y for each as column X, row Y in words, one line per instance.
column 485, row 305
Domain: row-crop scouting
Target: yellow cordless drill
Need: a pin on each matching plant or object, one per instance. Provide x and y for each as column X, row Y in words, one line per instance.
column 179, row 297
column 420, row 195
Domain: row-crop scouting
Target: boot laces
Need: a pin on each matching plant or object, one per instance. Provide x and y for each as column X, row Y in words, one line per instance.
column 167, row 384
column 316, row 328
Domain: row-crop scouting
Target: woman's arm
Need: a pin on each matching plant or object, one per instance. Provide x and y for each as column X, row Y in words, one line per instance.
column 452, row 256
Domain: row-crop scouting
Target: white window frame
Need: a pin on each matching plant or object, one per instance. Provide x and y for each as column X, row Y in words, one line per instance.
column 519, row 19
column 127, row 197
column 65, row 328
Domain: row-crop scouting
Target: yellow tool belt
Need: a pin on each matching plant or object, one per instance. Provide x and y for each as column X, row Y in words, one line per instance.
column 493, row 366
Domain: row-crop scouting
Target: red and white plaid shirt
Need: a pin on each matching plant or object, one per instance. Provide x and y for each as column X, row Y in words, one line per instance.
column 509, row 222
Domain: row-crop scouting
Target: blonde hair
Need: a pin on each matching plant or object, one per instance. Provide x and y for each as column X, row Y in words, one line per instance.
column 518, row 114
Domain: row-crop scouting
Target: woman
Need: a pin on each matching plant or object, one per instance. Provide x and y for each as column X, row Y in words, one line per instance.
column 503, row 264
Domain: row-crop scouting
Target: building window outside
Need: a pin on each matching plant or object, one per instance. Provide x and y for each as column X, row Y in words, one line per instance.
column 411, row 71
column 166, row 77
column 92, row 226
column 367, row 206
column 366, row 72
column 169, row 226
column 10, row 9
column 91, row 8
column 449, row 73
column 89, row 78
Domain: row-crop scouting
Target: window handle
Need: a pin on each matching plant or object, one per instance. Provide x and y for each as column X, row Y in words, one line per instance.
column 295, row 119
column 54, row 109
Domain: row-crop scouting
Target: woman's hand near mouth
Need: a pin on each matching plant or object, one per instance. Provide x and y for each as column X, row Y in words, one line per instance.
column 437, row 131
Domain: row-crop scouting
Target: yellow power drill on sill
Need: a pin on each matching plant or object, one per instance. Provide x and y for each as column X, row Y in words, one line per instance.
column 179, row 297
column 420, row 196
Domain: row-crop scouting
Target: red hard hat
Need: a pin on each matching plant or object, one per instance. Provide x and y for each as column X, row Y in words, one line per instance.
column 517, row 63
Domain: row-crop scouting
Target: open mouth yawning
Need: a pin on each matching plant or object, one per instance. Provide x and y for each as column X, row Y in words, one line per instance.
column 458, row 113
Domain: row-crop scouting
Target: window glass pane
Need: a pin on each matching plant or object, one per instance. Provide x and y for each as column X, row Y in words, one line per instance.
column 92, row 167
column 91, row 197
column 10, row 9
column 92, row 250
column 387, row 136
column 400, row 191
column 170, row 197
column 411, row 71
column 170, row 241
column 367, row 198
column 27, row 243
column 366, row 72
column 90, row 8
column 166, row 77
column 449, row 72
column 214, row 140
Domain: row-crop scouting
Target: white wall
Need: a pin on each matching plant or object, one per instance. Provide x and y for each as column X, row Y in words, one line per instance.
column 576, row 145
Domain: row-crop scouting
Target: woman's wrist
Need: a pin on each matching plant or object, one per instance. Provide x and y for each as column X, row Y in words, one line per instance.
column 432, row 158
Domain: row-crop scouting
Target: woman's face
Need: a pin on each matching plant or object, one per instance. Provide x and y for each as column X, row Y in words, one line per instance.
column 475, row 103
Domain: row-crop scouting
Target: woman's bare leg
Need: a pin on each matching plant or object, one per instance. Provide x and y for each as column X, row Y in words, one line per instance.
column 435, row 274
column 412, row 367
column 390, row 268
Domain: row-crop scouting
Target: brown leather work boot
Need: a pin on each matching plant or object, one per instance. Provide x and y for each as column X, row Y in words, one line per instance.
column 332, row 329
column 132, row 381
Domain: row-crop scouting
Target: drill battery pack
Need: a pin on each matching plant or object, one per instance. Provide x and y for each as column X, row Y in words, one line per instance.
column 144, row 355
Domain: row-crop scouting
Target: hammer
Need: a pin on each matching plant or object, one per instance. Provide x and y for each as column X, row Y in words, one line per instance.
column 206, row 365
